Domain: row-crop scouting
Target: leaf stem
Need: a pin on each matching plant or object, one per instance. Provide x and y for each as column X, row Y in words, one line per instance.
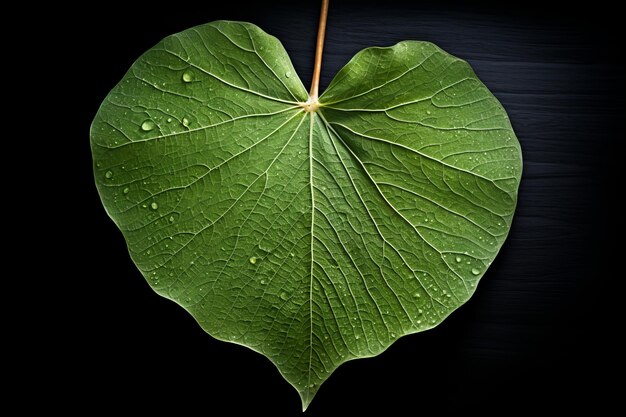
column 319, row 47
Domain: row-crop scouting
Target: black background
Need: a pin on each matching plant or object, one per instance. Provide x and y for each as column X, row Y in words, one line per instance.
column 535, row 337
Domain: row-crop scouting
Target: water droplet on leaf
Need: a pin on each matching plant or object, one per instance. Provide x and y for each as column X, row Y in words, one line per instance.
column 108, row 174
column 475, row 271
column 187, row 77
column 253, row 260
column 147, row 126
column 154, row 206
column 186, row 122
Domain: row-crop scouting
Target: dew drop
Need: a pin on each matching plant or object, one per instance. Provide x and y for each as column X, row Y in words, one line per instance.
column 108, row 174
column 288, row 74
column 154, row 205
column 263, row 281
column 171, row 219
column 126, row 190
column 147, row 126
column 252, row 260
column 427, row 111
column 186, row 122
column 284, row 296
column 187, row 77
column 475, row 271
column 169, row 120
column 458, row 259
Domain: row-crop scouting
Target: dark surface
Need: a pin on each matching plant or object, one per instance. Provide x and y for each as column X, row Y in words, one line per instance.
column 535, row 336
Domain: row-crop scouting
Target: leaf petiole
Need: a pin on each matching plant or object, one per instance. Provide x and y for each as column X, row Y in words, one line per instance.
column 319, row 47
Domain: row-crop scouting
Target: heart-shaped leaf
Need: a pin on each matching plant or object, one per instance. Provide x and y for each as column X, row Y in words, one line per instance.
column 311, row 235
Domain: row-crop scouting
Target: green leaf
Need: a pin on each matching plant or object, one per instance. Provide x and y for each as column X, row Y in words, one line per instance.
column 313, row 238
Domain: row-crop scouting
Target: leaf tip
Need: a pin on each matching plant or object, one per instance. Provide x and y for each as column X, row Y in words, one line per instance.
column 306, row 401
column 306, row 396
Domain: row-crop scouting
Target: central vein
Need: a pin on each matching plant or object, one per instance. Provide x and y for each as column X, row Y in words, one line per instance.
column 312, row 229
